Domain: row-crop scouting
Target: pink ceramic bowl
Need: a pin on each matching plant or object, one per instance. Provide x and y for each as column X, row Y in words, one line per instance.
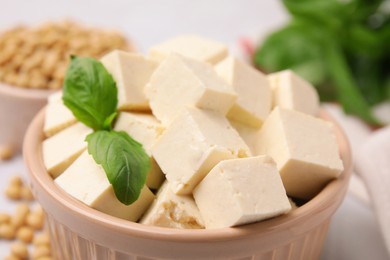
column 80, row 232
column 18, row 106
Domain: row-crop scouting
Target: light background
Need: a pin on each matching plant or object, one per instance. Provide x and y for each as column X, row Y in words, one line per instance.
column 353, row 233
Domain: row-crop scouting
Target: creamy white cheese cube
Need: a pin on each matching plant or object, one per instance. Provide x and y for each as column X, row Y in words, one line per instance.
column 86, row 181
column 173, row 211
column 293, row 92
column 131, row 72
column 57, row 115
column 190, row 46
column 180, row 82
column 254, row 93
column 247, row 133
column 304, row 148
column 60, row 150
column 145, row 129
column 241, row 191
column 193, row 144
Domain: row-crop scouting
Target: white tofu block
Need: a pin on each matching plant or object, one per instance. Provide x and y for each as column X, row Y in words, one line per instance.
column 304, row 148
column 241, row 191
column 145, row 129
column 86, row 181
column 193, row 144
column 180, row 82
column 247, row 133
column 254, row 93
column 173, row 211
column 60, row 150
column 293, row 92
column 57, row 115
column 131, row 72
column 190, row 46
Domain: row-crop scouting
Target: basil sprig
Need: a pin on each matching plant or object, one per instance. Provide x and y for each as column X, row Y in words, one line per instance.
column 115, row 151
column 91, row 94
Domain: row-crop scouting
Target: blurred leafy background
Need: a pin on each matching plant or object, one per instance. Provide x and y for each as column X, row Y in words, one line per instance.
column 341, row 46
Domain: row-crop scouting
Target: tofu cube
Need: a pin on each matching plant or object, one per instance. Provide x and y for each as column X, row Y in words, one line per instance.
column 60, row 150
column 86, row 181
column 241, row 191
column 254, row 93
column 190, row 46
column 293, row 92
column 131, row 72
column 304, row 148
column 57, row 115
column 180, row 82
column 173, row 211
column 193, row 144
column 145, row 129
column 247, row 133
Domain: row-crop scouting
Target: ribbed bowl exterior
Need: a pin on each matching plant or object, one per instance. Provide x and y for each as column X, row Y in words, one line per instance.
column 82, row 233
column 69, row 245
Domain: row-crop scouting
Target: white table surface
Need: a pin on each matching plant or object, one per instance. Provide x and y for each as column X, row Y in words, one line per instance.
column 353, row 234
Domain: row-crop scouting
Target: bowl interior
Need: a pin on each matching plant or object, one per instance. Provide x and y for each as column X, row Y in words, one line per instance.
column 73, row 213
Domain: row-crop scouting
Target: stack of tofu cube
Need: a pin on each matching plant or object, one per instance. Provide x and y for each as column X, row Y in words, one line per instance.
column 227, row 144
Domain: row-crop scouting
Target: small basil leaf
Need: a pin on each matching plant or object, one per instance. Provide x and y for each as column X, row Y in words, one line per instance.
column 89, row 92
column 123, row 159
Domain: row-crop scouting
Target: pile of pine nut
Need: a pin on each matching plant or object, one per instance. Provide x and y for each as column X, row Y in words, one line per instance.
column 38, row 57
column 25, row 226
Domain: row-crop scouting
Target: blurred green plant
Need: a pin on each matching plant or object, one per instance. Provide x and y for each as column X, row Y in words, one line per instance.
column 340, row 46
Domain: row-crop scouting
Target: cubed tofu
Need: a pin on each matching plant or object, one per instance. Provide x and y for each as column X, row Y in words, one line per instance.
column 254, row 93
column 193, row 144
column 304, row 148
column 293, row 92
column 131, row 72
column 190, row 46
column 60, row 150
column 173, row 211
column 241, row 191
column 145, row 129
column 247, row 133
column 180, row 82
column 86, row 181
column 57, row 115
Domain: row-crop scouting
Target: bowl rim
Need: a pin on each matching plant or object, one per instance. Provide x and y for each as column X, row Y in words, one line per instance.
column 26, row 93
column 328, row 197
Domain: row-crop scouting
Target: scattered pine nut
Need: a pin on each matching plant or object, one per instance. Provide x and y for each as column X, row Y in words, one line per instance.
column 35, row 221
column 23, row 224
column 25, row 234
column 13, row 192
column 26, row 194
column 6, row 152
column 21, row 213
column 41, row 251
column 16, row 181
column 20, row 250
column 7, row 231
column 4, row 218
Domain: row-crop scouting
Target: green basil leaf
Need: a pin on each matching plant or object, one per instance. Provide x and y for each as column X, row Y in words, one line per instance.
column 348, row 93
column 90, row 92
column 297, row 47
column 123, row 159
